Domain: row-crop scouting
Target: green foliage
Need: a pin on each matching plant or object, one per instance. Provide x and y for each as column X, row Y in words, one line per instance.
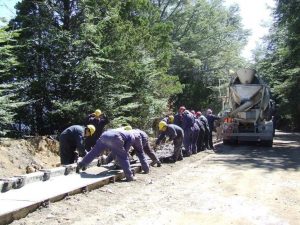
column 76, row 56
column 8, row 86
column 207, row 40
column 137, row 49
column 132, row 59
column 279, row 61
column 7, row 59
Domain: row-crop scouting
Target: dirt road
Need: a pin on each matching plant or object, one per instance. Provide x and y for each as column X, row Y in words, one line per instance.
column 235, row 185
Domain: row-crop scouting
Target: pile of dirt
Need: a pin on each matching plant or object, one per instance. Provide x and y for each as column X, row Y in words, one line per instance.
column 18, row 154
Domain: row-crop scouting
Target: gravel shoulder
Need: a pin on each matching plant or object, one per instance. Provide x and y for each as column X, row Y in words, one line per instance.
column 234, row 185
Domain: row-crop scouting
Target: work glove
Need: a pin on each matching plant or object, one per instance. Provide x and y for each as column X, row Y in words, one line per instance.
column 79, row 167
column 103, row 159
column 170, row 140
column 83, row 153
column 105, row 118
column 76, row 156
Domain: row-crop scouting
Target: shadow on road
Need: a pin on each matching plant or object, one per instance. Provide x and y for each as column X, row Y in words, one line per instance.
column 284, row 155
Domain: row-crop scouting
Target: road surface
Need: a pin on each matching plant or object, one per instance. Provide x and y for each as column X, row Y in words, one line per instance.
column 234, row 185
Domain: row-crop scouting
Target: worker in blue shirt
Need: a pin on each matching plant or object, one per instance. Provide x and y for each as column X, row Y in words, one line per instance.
column 176, row 134
column 119, row 142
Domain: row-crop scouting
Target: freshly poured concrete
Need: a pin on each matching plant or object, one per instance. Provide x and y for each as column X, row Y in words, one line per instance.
column 17, row 203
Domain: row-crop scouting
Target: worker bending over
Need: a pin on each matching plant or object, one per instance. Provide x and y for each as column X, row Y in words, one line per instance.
column 146, row 147
column 175, row 133
column 119, row 142
column 71, row 139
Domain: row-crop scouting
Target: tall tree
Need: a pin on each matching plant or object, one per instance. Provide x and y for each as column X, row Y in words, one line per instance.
column 8, row 86
column 79, row 55
column 207, row 38
column 279, row 61
column 48, row 56
column 130, row 50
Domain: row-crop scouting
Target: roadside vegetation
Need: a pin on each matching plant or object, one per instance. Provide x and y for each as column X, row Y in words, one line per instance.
column 135, row 60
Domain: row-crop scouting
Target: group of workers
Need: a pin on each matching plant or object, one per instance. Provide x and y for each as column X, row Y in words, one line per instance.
column 187, row 128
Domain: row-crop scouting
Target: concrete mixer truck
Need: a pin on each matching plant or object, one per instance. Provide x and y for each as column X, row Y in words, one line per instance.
column 247, row 110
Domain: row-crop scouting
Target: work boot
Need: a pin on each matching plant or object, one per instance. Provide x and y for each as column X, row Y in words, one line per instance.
column 155, row 162
column 117, row 167
column 180, row 158
column 132, row 178
column 158, row 164
column 186, row 154
column 146, row 172
column 169, row 160
column 79, row 167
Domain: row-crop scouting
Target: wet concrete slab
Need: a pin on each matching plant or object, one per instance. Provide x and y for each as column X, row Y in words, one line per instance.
column 17, row 203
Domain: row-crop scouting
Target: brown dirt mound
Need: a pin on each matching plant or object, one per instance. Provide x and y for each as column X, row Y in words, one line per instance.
column 17, row 154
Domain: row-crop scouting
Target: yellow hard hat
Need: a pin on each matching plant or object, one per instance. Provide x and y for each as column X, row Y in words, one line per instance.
column 162, row 126
column 128, row 127
column 98, row 112
column 171, row 119
column 92, row 128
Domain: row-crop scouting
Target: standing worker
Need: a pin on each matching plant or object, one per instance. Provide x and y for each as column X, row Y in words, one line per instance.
column 195, row 135
column 71, row 139
column 99, row 120
column 188, row 128
column 178, row 118
column 207, row 131
column 200, row 145
column 175, row 133
column 119, row 142
column 211, row 118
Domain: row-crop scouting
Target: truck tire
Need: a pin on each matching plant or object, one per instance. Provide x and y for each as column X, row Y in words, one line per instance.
column 268, row 143
column 226, row 142
column 230, row 142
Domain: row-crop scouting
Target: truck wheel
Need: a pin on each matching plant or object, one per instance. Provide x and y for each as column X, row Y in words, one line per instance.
column 226, row 142
column 268, row 143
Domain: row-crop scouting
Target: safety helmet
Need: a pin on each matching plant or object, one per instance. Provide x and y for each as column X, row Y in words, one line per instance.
column 171, row 119
column 91, row 128
column 198, row 113
column 162, row 126
column 128, row 127
column 98, row 112
column 209, row 111
column 193, row 112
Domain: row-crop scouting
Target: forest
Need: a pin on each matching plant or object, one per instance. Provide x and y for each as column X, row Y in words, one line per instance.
column 136, row 60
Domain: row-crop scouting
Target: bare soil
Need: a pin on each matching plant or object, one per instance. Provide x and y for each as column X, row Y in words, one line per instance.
column 17, row 154
column 239, row 184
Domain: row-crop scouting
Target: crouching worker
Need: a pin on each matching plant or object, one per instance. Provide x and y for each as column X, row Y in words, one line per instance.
column 146, row 147
column 71, row 139
column 137, row 145
column 118, row 142
column 175, row 133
